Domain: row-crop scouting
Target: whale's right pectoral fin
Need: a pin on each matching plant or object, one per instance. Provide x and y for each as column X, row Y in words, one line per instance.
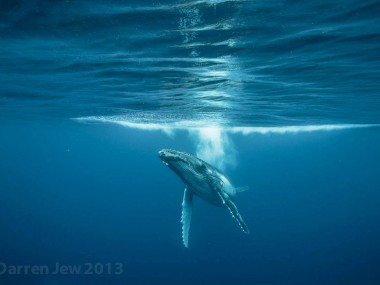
column 187, row 210
column 234, row 211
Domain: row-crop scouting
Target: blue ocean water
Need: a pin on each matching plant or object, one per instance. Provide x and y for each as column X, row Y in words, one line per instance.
column 283, row 96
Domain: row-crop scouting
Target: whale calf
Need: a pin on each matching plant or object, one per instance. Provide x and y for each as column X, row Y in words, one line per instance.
column 203, row 180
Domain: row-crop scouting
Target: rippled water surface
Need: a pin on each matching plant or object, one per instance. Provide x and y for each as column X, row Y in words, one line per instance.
column 250, row 63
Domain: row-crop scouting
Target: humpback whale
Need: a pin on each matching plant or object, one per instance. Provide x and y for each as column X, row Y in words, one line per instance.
column 203, row 180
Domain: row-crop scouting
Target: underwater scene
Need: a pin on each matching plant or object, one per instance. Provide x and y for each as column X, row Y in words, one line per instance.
column 189, row 142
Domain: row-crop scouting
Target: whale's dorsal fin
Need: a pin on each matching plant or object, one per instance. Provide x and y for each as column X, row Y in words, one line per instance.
column 241, row 189
column 187, row 210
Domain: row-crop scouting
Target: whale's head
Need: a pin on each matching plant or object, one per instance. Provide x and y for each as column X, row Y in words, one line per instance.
column 174, row 158
column 181, row 163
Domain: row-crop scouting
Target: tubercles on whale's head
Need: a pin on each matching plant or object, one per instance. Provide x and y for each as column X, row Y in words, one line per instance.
column 178, row 161
column 169, row 155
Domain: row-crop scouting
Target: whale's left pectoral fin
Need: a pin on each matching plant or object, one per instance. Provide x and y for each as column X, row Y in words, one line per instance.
column 187, row 210
column 233, row 210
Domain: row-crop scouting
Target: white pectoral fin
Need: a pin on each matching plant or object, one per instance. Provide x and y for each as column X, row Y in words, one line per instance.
column 187, row 210
column 234, row 212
